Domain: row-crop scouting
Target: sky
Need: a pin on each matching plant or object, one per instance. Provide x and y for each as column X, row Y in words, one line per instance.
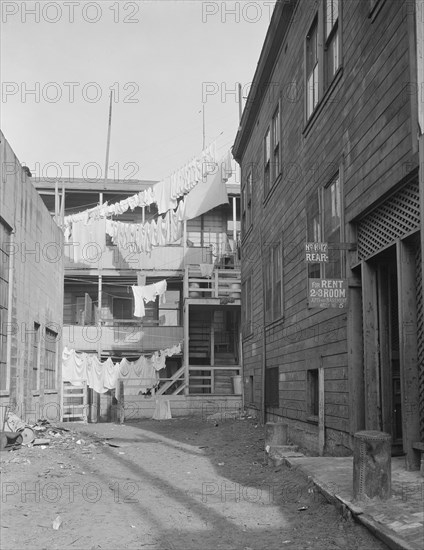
column 165, row 60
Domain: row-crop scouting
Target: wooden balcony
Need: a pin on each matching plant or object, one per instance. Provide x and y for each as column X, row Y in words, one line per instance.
column 119, row 336
column 170, row 258
column 214, row 380
column 222, row 287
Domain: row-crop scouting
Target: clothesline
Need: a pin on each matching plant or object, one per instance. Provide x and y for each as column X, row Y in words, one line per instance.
column 164, row 193
column 103, row 376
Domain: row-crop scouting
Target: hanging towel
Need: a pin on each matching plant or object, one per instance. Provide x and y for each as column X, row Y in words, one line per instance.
column 206, row 270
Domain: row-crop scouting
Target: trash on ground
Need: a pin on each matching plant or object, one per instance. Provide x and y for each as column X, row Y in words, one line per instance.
column 57, row 523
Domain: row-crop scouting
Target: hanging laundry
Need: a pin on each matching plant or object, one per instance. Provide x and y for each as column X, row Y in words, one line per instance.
column 74, row 367
column 206, row 270
column 111, row 372
column 88, row 241
column 95, row 374
column 164, row 194
column 139, row 310
column 147, row 294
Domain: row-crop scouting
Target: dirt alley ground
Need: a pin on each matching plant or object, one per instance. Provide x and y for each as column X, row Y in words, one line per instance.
column 165, row 485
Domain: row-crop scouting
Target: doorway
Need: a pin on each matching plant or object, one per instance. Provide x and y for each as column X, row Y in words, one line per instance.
column 388, row 347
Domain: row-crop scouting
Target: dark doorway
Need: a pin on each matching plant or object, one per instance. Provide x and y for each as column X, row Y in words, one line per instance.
column 388, row 348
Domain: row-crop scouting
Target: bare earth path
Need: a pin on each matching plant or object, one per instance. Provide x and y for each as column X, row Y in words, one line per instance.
column 172, row 484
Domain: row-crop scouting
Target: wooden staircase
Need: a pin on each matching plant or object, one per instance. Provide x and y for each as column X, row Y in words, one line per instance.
column 199, row 339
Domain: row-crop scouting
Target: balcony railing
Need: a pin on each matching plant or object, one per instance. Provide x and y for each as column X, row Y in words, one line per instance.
column 121, row 337
column 214, row 380
column 222, row 283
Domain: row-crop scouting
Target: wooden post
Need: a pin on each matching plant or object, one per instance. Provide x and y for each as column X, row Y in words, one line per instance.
column 355, row 354
column 371, row 361
column 186, row 354
column 216, row 284
column 408, row 351
column 62, row 208
column 56, row 201
column 321, row 411
column 121, row 402
column 234, row 224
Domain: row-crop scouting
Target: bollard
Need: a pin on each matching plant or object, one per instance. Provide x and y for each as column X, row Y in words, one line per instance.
column 372, row 465
column 275, row 434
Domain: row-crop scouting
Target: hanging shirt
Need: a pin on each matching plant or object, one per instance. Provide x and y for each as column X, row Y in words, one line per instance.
column 139, row 310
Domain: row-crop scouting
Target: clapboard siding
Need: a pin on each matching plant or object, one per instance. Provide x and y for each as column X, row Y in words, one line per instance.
column 364, row 125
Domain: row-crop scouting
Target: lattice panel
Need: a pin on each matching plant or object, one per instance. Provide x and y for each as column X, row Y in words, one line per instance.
column 420, row 337
column 395, row 218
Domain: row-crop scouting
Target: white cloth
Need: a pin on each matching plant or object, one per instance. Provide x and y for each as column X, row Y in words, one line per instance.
column 74, row 367
column 147, row 294
column 206, row 270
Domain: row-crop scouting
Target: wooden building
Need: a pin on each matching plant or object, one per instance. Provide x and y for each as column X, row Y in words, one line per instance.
column 31, row 297
column 333, row 329
column 201, row 311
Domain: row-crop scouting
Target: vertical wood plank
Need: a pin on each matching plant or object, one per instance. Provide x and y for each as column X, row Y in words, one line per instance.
column 355, row 354
column 408, row 351
column 370, row 332
column 321, row 411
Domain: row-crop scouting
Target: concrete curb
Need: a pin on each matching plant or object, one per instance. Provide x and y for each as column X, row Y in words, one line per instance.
column 347, row 508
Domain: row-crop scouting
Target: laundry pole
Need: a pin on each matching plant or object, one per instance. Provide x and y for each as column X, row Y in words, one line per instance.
column 95, row 409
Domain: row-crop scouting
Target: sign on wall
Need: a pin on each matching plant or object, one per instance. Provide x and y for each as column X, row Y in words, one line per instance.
column 316, row 252
column 327, row 293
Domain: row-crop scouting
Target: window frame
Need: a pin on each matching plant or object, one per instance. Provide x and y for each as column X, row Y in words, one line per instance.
column 272, row 158
column 35, row 356
column 267, row 161
column 247, row 306
column 275, row 144
column 324, row 270
column 312, row 379
column 322, row 83
column 332, row 42
column 50, row 358
column 166, row 307
column 328, row 236
column 246, row 201
column 312, row 70
column 6, row 238
column 273, row 255
column 272, row 387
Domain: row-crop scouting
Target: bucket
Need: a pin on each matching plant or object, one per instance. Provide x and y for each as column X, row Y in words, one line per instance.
column 235, row 290
column 237, row 387
column 194, row 293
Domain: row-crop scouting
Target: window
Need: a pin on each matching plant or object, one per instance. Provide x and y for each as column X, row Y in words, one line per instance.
column 332, row 58
column 276, row 168
column 251, row 389
column 247, row 217
column 122, row 307
column 35, row 356
column 272, row 164
column 323, row 53
column 267, row 162
column 246, row 293
column 4, row 301
column 323, row 217
column 170, row 311
column 271, row 388
column 332, row 228
column 50, row 359
column 312, row 69
column 273, row 282
column 313, row 393
column 313, row 230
